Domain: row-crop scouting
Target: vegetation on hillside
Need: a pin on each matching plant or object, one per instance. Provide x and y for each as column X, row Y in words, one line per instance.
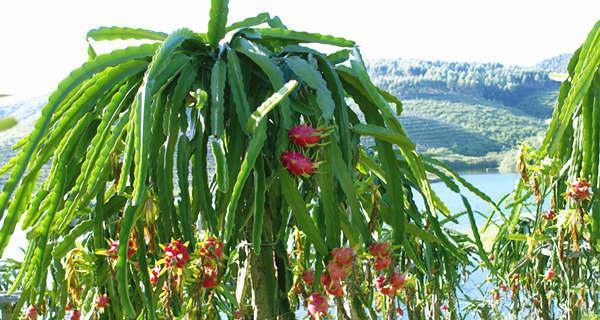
column 556, row 64
column 496, row 107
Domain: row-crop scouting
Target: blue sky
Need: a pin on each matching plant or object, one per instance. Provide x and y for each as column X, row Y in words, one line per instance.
column 43, row 40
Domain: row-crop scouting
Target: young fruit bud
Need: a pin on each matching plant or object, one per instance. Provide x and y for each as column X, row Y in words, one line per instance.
column 549, row 275
column 102, row 301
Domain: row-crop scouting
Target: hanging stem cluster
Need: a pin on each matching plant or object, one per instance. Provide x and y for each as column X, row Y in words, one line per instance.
column 546, row 250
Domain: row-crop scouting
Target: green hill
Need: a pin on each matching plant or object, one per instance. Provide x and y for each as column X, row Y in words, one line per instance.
column 470, row 114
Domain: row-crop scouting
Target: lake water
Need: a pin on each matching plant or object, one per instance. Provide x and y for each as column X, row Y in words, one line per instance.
column 495, row 185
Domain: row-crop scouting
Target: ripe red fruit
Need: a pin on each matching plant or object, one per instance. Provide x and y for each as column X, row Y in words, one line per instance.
column 75, row 315
column 444, row 308
column 503, row 287
column 237, row 314
column 400, row 312
column 580, row 190
column 154, row 274
column 308, row 276
column 334, row 288
column 210, row 277
column 382, row 263
column 212, row 248
column 317, row 305
column 102, row 301
column 397, row 280
column 297, row 164
column 379, row 249
column 113, row 250
column 383, row 287
column 31, row 313
column 325, row 279
column 549, row 275
column 496, row 295
column 343, row 256
column 176, row 254
column 304, row 135
column 209, row 282
column 336, row 271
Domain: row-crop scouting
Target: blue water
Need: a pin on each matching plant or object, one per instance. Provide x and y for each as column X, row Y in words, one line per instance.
column 495, row 185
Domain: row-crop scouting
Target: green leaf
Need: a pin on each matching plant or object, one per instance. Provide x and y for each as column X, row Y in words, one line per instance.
column 259, row 205
column 384, row 134
column 76, row 77
column 143, row 119
column 217, row 21
column 255, row 146
column 266, row 107
column 217, row 96
column 124, row 33
column 305, row 223
column 238, row 90
column 249, row 22
column 303, row 37
column 308, row 73
column 261, row 57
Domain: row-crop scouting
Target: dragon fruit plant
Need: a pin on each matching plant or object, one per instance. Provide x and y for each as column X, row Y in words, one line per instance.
column 204, row 175
column 546, row 251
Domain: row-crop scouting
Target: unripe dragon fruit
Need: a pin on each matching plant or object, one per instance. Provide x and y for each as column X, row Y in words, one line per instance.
column 549, row 275
column 102, row 301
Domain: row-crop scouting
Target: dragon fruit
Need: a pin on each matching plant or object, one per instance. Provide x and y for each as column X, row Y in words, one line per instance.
column 343, row 256
column 304, row 135
column 317, row 305
column 31, row 313
column 297, row 164
column 176, row 254
column 308, row 276
column 102, row 301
